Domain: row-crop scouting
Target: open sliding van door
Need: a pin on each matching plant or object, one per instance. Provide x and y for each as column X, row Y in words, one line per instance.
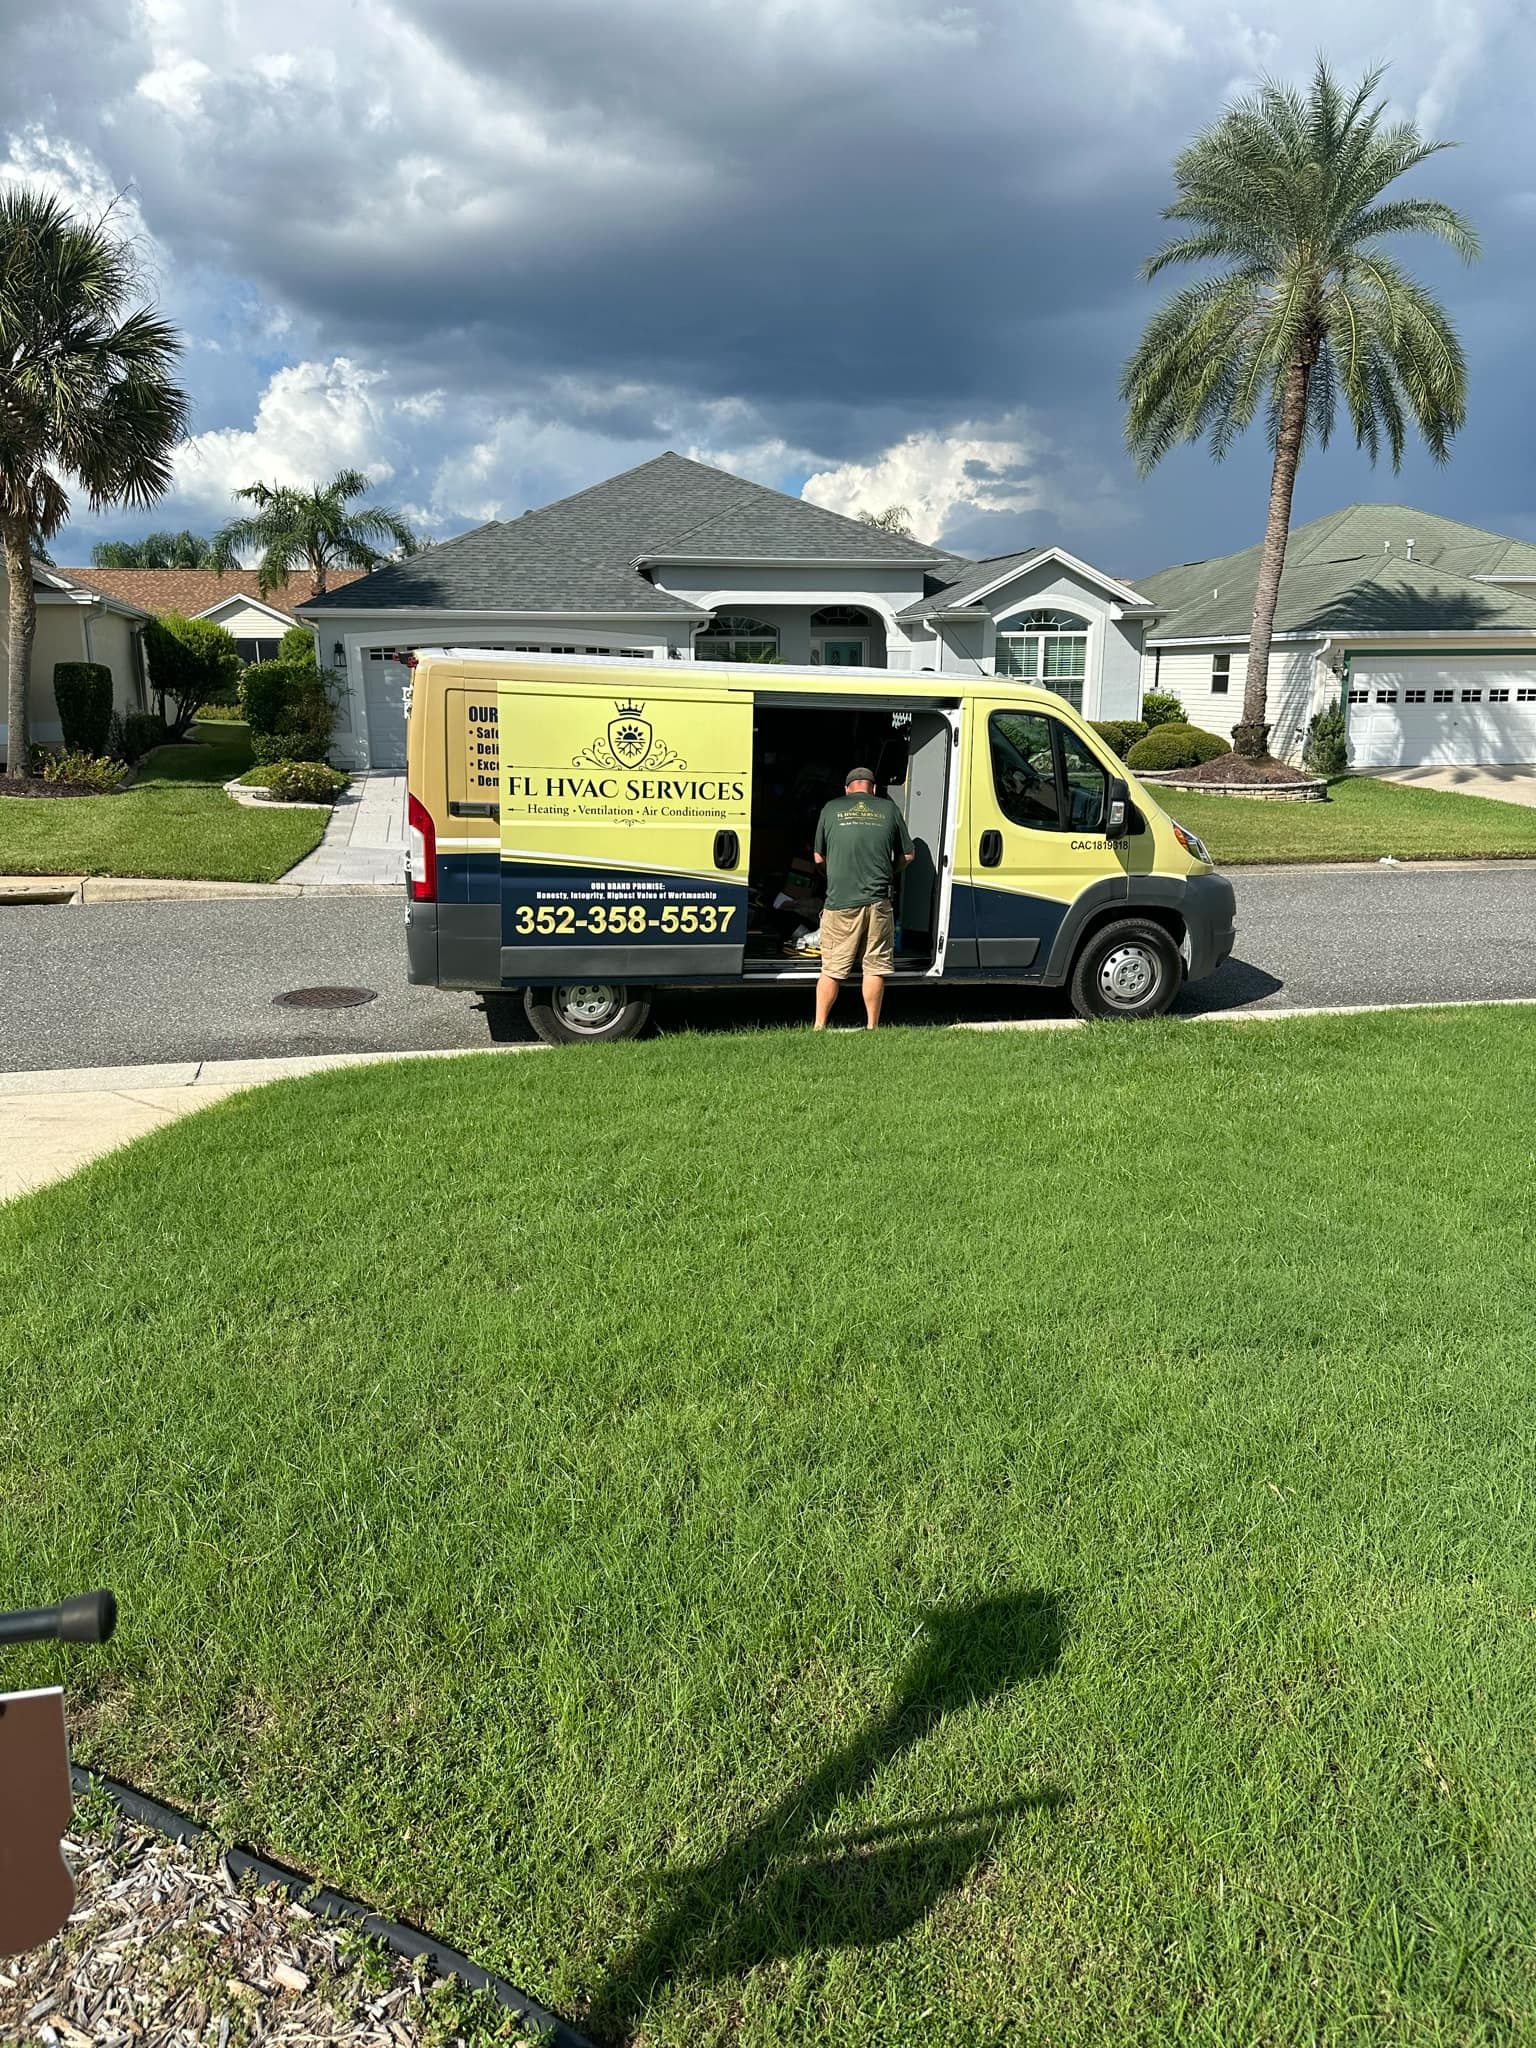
column 625, row 815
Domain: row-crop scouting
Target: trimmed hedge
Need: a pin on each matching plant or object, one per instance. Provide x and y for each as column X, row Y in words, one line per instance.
column 1158, row 708
column 1175, row 746
column 136, row 735
column 1121, row 733
column 83, row 692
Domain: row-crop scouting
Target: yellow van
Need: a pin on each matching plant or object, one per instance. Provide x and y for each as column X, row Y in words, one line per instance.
column 587, row 829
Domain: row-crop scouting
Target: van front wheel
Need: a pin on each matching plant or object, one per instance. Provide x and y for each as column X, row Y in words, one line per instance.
column 1131, row 968
column 586, row 1012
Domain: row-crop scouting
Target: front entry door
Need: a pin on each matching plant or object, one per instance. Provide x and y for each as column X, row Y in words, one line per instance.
column 842, row 653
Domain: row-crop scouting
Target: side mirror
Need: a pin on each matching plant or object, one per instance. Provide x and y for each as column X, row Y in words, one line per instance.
column 1117, row 809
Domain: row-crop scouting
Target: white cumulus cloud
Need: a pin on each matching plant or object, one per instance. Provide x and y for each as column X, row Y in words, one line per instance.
column 971, row 468
column 312, row 419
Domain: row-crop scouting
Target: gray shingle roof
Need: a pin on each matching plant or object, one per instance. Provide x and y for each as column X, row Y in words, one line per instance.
column 578, row 554
column 1349, row 572
column 972, row 576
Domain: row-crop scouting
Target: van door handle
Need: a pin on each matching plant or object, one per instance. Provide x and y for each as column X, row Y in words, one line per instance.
column 990, row 851
column 727, row 849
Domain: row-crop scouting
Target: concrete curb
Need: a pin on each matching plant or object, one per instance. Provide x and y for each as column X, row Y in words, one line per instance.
column 75, row 889
column 224, row 1074
column 1267, row 1016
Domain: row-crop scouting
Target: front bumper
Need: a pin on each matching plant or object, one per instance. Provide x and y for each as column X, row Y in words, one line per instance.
column 1210, row 918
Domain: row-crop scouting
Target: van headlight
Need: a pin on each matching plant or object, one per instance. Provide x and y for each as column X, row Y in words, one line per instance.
column 1191, row 842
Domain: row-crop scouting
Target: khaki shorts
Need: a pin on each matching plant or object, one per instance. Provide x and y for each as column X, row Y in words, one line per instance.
column 864, row 938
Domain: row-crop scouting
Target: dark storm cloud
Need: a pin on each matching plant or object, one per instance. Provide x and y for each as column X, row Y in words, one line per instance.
column 825, row 227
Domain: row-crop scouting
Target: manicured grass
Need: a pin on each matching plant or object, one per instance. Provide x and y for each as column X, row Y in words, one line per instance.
column 1363, row 819
column 175, row 821
column 942, row 1538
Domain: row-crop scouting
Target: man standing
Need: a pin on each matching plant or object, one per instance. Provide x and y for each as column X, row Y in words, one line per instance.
column 862, row 841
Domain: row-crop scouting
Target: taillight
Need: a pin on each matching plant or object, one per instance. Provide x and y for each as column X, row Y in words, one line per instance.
column 422, row 834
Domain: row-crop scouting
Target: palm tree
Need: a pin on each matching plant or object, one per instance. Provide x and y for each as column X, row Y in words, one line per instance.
column 184, row 550
column 318, row 529
column 86, row 392
column 1284, row 191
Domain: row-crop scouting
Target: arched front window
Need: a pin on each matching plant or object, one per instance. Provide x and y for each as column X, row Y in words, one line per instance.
column 735, row 636
column 1045, row 647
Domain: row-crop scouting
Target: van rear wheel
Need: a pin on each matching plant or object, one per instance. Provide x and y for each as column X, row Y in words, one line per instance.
column 1128, row 969
column 586, row 1012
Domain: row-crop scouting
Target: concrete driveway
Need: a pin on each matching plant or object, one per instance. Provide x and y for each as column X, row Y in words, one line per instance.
column 1508, row 785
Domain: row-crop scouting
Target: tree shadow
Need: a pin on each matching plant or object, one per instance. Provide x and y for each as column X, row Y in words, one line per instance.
column 782, row 1887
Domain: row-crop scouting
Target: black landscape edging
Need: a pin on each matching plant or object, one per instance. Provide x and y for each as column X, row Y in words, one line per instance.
column 326, row 1904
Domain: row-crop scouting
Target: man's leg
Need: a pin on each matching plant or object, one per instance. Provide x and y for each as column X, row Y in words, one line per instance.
column 874, row 996
column 826, row 995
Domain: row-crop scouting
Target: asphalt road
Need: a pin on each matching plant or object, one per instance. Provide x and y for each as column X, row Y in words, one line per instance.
column 117, row 984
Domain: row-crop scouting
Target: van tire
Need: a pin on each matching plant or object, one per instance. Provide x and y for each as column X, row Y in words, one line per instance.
column 1129, row 969
column 586, row 1012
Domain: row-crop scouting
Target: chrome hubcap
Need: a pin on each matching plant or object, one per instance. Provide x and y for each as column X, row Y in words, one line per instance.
column 1127, row 975
column 588, row 1005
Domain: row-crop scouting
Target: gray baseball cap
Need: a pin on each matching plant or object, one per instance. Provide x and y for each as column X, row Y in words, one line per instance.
column 858, row 775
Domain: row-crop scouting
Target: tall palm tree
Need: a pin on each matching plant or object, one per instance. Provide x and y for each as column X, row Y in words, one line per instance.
column 86, row 392
column 317, row 529
column 1284, row 192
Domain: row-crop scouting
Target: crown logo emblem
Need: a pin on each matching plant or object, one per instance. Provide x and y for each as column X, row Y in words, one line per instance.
column 630, row 742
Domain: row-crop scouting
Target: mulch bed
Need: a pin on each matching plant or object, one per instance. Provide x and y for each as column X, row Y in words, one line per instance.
column 165, row 1950
column 1239, row 768
column 34, row 785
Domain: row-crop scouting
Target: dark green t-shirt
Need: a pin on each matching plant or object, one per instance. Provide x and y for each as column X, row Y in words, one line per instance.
column 859, row 838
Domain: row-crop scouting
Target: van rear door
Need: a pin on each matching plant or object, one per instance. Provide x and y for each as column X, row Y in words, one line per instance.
column 625, row 816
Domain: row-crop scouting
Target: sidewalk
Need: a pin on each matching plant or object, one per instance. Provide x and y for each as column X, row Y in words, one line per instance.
column 365, row 839
column 58, row 1119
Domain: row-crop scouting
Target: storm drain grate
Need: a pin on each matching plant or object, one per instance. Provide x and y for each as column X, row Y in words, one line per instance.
column 326, row 998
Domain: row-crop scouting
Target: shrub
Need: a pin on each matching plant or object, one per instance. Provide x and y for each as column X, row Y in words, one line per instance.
column 217, row 714
column 191, row 662
column 135, row 735
column 1158, row 708
column 1327, row 749
column 85, row 771
column 1175, row 746
column 289, row 711
column 1121, row 733
column 305, row 782
column 83, row 692
column 265, row 690
column 297, row 644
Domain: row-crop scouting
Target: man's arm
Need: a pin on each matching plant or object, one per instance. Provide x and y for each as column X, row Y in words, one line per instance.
column 904, row 849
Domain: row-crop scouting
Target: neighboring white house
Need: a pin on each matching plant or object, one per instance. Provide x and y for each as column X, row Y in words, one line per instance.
column 677, row 559
column 1427, row 627
column 75, row 622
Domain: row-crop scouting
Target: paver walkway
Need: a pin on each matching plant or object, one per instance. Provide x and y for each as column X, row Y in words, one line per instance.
column 365, row 840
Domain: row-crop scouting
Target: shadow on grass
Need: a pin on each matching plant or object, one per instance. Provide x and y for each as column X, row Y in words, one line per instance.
column 781, row 1887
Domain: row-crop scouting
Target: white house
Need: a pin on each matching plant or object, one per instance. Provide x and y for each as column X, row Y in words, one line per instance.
column 1427, row 627
column 677, row 559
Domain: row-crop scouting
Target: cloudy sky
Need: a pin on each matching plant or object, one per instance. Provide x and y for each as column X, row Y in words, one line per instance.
column 490, row 251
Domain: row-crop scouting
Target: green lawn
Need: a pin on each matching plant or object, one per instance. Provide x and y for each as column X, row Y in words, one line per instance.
column 176, row 821
column 943, row 1538
column 1362, row 820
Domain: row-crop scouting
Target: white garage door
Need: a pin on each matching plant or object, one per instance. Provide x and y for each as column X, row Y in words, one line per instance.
column 1406, row 711
column 385, row 682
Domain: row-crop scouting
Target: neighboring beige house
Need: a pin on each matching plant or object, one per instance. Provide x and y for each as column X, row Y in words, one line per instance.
column 76, row 621
column 233, row 600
